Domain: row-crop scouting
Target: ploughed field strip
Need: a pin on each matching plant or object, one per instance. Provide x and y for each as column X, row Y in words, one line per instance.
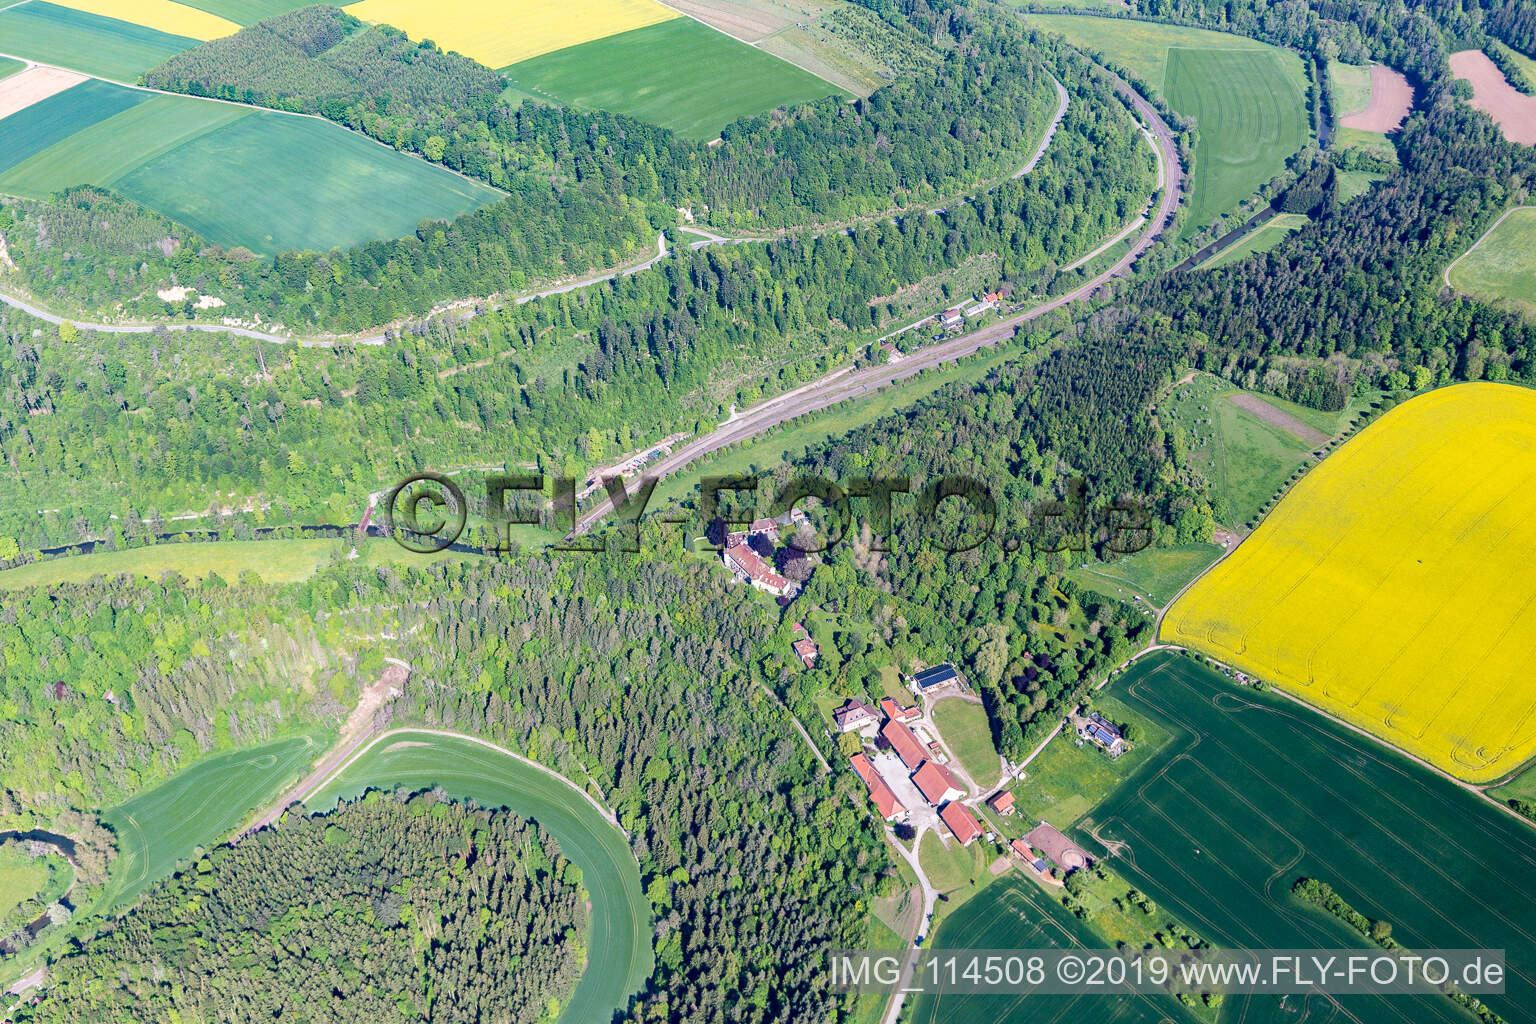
column 1391, row 585
column 237, row 175
column 1256, row 792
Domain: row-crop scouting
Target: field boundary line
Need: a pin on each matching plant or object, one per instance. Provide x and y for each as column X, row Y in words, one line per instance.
column 608, row 815
column 743, row 42
column 1481, row 239
column 255, row 106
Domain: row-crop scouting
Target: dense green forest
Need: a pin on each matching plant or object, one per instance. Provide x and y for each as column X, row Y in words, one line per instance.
column 587, row 189
column 562, row 381
column 387, row 909
column 643, row 675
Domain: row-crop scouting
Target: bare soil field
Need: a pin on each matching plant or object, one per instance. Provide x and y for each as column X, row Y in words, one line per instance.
column 1391, row 100
column 34, row 85
column 1514, row 111
column 1278, row 418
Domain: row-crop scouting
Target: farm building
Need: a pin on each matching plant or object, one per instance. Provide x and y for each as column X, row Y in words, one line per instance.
column 952, row 318
column 961, row 822
column 896, row 713
column 854, row 716
column 906, row 744
column 1001, row 802
column 937, row 783
column 748, row 565
column 884, row 800
column 930, row 680
column 1103, row 732
column 1022, row 850
column 1048, row 840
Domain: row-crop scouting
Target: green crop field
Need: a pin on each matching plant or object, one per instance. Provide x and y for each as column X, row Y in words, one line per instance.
column 1256, row 791
column 34, row 129
column 1155, row 574
column 965, row 728
column 9, row 67
column 1351, row 87
column 256, row 182
column 1502, row 267
column 198, row 807
column 1274, row 231
column 1014, row 913
column 679, row 73
column 85, row 42
column 101, row 153
column 1249, row 98
column 1245, row 458
column 619, row 938
column 246, row 12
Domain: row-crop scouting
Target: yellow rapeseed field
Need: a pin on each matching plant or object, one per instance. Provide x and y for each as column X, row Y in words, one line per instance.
column 162, row 15
column 498, row 34
column 1394, row 585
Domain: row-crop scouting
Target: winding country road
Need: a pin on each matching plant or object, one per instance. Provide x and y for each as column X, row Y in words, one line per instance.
column 846, row 383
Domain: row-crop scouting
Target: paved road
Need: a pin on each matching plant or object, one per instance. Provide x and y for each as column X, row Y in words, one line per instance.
column 845, row 384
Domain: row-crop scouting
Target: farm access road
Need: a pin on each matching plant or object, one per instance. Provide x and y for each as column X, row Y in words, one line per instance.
column 843, row 384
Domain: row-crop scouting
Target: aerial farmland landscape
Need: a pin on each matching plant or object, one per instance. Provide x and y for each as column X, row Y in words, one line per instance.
column 767, row 511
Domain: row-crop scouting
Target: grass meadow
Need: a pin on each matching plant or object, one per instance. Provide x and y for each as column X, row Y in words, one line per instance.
column 1274, row 231
column 196, row 808
column 22, row 878
column 275, row 561
column 1390, row 585
column 1066, row 781
column 1245, row 459
column 89, row 43
column 719, row 80
column 1016, row 913
column 619, row 934
column 1249, row 98
column 968, row 733
column 1256, row 791
column 1502, row 267
column 1155, row 575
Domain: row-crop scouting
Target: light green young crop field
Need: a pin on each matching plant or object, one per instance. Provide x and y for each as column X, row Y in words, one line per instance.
column 1502, row 266
column 679, row 73
column 83, row 42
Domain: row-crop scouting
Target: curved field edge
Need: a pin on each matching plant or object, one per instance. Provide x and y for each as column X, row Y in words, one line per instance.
column 1501, row 265
column 1381, row 588
column 619, row 954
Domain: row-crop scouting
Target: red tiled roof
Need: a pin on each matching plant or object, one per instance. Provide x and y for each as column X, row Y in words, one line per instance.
column 905, row 743
column 1021, row 848
column 961, row 821
column 753, row 565
column 885, row 800
column 896, row 711
column 1001, row 802
column 936, row 782
column 864, row 768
